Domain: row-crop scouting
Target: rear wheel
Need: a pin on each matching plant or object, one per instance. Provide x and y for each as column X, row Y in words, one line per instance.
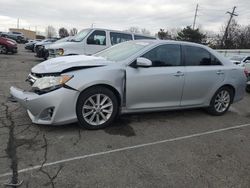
column 248, row 88
column 221, row 101
column 96, row 108
column 3, row 49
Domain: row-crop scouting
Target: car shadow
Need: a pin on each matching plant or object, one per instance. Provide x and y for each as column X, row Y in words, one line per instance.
column 122, row 125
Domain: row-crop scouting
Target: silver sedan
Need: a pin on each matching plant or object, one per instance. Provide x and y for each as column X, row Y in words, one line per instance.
column 131, row 77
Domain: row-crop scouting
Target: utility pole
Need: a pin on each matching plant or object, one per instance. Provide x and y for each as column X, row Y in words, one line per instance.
column 17, row 23
column 232, row 14
column 195, row 15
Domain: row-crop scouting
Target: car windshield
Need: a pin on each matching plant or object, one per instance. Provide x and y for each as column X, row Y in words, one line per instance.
column 80, row 36
column 122, row 51
column 237, row 58
column 63, row 39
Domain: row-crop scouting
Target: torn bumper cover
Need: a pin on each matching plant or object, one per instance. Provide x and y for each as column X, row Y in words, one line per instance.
column 53, row 108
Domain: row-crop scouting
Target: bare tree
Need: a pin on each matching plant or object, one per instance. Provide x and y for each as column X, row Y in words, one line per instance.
column 63, row 32
column 244, row 38
column 134, row 30
column 238, row 37
column 73, row 32
column 232, row 31
column 144, row 31
column 50, row 31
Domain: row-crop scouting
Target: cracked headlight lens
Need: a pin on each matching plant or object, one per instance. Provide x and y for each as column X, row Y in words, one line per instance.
column 51, row 82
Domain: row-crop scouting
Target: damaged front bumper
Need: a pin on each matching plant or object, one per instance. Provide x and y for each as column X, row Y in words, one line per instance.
column 53, row 108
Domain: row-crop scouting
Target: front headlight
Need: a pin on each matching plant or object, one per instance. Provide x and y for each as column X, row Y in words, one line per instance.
column 40, row 47
column 51, row 82
column 60, row 51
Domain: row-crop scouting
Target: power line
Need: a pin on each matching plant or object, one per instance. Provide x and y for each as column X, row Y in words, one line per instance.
column 232, row 14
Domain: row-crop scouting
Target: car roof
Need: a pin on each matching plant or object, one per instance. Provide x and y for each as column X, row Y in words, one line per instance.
column 170, row 42
column 125, row 32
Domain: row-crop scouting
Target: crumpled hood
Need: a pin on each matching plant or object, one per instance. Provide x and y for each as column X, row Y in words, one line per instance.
column 60, row 64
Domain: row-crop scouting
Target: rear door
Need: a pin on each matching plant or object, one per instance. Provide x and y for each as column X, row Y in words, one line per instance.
column 203, row 75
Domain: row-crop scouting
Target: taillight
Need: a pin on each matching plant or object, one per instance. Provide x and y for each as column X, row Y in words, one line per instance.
column 246, row 72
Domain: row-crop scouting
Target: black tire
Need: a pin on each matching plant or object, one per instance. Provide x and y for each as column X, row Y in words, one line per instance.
column 248, row 88
column 84, row 97
column 212, row 109
column 46, row 55
column 4, row 49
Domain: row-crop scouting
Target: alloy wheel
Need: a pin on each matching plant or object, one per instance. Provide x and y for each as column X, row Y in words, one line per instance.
column 97, row 109
column 222, row 101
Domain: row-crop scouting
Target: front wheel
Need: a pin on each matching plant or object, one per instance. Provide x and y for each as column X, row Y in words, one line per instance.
column 3, row 49
column 248, row 88
column 96, row 108
column 221, row 101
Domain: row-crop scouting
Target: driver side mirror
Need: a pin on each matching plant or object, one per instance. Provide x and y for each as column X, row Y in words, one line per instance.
column 247, row 61
column 143, row 62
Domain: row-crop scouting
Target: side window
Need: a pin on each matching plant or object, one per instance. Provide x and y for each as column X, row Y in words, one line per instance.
column 165, row 55
column 196, row 56
column 97, row 38
column 247, row 59
column 215, row 61
column 139, row 37
column 119, row 37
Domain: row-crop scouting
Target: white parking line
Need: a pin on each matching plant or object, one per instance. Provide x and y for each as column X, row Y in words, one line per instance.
column 128, row 148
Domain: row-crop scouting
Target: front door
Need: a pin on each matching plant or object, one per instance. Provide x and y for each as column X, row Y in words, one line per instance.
column 159, row 86
column 96, row 42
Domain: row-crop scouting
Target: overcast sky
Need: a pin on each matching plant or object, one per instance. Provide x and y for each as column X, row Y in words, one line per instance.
column 120, row 14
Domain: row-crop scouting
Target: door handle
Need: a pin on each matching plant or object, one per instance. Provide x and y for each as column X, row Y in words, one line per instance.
column 219, row 72
column 179, row 73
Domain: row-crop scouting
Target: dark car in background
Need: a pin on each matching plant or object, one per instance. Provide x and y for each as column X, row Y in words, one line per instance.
column 31, row 43
column 39, row 45
column 240, row 59
column 7, row 45
column 42, row 50
column 16, row 36
column 247, row 71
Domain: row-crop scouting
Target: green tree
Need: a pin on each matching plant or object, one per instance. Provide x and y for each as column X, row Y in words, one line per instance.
column 163, row 35
column 191, row 35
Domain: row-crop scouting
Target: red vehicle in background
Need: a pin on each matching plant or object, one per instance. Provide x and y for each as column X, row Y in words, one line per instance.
column 7, row 45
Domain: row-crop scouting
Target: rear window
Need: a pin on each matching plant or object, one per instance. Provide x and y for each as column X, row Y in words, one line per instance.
column 139, row 37
column 196, row 56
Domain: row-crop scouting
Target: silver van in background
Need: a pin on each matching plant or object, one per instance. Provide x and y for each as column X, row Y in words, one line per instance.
column 92, row 40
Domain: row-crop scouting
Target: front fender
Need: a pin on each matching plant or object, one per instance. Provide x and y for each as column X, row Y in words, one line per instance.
column 86, row 78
